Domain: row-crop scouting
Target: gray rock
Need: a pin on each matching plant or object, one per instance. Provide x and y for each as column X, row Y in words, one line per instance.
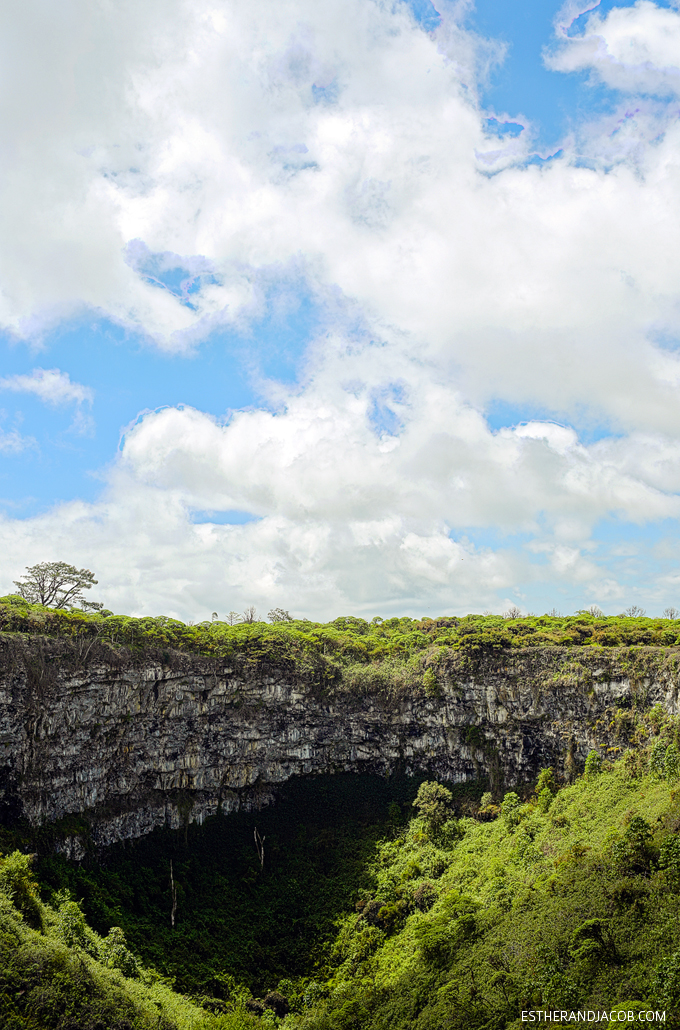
column 134, row 743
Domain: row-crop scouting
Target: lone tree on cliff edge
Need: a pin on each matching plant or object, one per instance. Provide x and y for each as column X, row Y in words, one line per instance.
column 57, row 585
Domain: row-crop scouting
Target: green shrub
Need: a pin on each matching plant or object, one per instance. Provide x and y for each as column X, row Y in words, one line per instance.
column 593, row 764
column 442, row 935
column 115, row 953
column 672, row 763
column 545, row 799
column 312, row 994
column 510, row 808
column 635, row 852
column 546, row 779
column 433, row 803
column 18, row 883
column 73, row 931
column 431, row 684
column 665, row 985
column 669, row 858
column 657, row 759
column 592, row 941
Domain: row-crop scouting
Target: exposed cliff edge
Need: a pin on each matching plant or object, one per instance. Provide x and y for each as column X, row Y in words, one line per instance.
column 138, row 741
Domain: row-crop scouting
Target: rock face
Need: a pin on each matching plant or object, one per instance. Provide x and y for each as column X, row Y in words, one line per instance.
column 133, row 743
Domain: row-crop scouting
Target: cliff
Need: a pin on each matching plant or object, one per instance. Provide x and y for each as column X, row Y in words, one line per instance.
column 136, row 741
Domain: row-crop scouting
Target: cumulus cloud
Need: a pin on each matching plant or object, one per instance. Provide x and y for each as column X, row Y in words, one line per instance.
column 344, row 522
column 151, row 560
column 199, row 132
column 320, row 460
column 635, row 49
column 166, row 159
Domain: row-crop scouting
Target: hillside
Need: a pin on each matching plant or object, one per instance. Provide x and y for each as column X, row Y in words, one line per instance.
column 463, row 914
column 549, row 878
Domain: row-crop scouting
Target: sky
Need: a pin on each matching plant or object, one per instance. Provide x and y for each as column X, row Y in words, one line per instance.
column 366, row 307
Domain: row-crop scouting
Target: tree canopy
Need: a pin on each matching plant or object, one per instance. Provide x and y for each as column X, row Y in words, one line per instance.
column 56, row 584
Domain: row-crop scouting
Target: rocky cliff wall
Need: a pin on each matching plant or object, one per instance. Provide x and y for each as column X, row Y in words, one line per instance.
column 136, row 742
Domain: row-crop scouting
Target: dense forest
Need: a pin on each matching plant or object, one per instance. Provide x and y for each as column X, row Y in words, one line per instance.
column 370, row 903
column 349, row 650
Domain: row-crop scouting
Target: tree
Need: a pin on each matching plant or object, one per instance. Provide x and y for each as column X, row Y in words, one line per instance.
column 279, row 615
column 115, row 953
column 250, row 614
column 669, row 857
column 513, row 612
column 593, row 941
column 510, row 808
column 635, row 612
column 433, row 802
column 546, row 788
column 635, row 852
column 546, row 778
column 55, row 584
column 233, row 617
column 18, row 883
column 671, row 613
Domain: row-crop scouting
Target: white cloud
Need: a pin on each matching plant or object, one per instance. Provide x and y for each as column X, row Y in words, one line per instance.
column 150, row 559
column 12, row 442
column 54, row 387
column 635, row 49
column 321, row 461
column 234, row 142
column 51, row 385
column 195, row 130
column 344, row 525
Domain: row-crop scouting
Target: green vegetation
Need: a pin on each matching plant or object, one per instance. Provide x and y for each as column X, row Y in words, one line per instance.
column 388, row 655
column 382, row 905
column 241, row 931
column 359, row 903
column 260, row 924
column 57, row 973
column 565, row 900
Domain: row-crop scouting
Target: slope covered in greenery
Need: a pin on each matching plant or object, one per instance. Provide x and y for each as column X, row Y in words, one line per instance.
column 240, row 930
column 461, row 912
column 58, row 974
column 568, row 901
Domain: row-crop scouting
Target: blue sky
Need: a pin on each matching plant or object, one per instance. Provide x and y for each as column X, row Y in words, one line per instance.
column 129, row 376
column 523, row 85
column 348, row 329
